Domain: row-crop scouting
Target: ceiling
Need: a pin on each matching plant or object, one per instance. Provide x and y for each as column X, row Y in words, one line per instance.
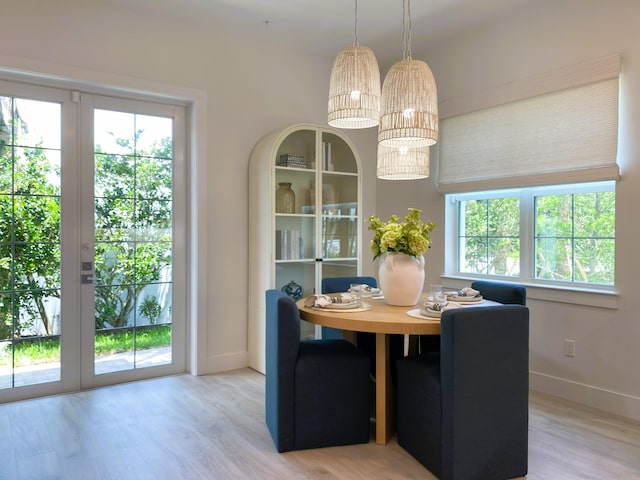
column 323, row 27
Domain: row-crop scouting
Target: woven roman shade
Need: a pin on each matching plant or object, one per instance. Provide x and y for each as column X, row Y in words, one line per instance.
column 560, row 127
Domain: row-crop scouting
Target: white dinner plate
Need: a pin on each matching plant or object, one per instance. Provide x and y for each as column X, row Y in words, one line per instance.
column 424, row 313
column 358, row 308
column 341, row 306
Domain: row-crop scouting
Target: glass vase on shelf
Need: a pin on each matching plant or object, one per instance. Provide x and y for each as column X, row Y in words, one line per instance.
column 285, row 198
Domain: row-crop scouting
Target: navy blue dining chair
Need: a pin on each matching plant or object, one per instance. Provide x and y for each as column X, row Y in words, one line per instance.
column 339, row 285
column 463, row 411
column 317, row 392
column 365, row 341
column 501, row 292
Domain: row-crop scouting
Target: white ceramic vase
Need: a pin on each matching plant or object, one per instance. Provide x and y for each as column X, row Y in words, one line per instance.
column 401, row 278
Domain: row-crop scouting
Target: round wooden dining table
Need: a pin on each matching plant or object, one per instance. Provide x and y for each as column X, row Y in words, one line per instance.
column 383, row 320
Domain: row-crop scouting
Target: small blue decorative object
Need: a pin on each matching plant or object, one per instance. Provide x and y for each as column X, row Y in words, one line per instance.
column 293, row 290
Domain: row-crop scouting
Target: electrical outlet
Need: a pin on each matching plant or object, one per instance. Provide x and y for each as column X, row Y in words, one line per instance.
column 569, row 348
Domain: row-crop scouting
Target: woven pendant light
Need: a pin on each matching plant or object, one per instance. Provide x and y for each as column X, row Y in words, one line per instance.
column 354, row 86
column 409, row 116
column 402, row 163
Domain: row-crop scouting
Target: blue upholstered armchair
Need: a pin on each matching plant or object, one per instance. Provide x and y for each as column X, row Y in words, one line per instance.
column 463, row 411
column 501, row 292
column 317, row 391
column 342, row 284
column 365, row 341
column 338, row 285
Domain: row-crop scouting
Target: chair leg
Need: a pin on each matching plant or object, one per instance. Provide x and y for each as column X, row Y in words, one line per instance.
column 412, row 347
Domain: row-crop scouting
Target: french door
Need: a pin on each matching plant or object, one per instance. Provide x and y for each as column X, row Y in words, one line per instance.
column 92, row 240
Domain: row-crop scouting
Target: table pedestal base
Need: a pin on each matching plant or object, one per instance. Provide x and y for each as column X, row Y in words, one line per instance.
column 385, row 397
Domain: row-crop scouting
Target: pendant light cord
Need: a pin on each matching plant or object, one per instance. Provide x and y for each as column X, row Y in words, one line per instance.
column 355, row 25
column 406, row 29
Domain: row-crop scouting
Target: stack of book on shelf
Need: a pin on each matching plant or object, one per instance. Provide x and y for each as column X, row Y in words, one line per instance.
column 292, row 160
column 288, row 245
column 327, row 163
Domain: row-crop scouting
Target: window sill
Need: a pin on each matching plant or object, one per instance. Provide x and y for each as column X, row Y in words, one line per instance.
column 601, row 298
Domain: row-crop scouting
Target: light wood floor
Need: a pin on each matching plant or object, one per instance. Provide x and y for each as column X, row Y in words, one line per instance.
column 212, row 427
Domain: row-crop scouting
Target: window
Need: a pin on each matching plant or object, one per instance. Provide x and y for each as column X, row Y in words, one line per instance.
column 529, row 171
column 489, row 238
column 563, row 235
column 575, row 236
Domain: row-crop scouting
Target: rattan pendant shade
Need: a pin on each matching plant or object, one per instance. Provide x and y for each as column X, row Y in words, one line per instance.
column 409, row 115
column 402, row 163
column 354, row 89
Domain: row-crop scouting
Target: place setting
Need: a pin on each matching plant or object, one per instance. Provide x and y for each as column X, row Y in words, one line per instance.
column 364, row 291
column 433, row 310
column 337, row 302
column 464, row 295
column 440, row 301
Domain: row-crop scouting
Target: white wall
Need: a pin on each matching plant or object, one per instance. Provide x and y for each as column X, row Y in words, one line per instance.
column 604, row 372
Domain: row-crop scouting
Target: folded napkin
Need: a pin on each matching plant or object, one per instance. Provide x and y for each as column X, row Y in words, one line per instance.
column 465, row 292
column 377, row 293
column 441, row 307
column 324, row 300
column 365, row 290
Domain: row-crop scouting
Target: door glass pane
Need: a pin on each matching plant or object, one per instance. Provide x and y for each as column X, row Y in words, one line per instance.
column 30, row 289
column 133, row 240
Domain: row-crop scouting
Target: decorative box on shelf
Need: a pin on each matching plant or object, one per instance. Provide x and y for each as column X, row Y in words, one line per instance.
column 295, row 160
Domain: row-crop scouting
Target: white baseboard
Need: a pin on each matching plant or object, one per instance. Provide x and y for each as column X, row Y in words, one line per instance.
column 609, row 401
column 226, row 362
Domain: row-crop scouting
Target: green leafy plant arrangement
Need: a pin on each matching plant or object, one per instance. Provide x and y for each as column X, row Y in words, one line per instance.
column 410, row 236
